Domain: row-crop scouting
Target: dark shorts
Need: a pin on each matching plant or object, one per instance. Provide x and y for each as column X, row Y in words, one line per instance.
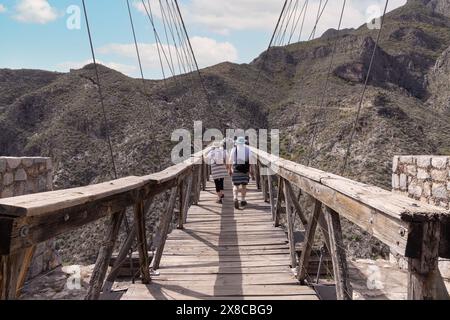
column 219, row 184
column 240, row 179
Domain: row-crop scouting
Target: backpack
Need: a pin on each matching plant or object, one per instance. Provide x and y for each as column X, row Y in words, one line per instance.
column 242, row 167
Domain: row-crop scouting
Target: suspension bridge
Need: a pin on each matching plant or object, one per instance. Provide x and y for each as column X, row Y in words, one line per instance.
column 206, row 251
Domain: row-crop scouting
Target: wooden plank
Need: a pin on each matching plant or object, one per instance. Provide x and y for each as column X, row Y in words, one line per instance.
column 144, row 262
column 187, row 199
column 272, row 196
column 309, row 241
column 379, row 212
column 278, row 203
column 424, row 279
column 338, row 255
column 104, row 255
column 290, row 226
column 294, row 201
column 164, row 228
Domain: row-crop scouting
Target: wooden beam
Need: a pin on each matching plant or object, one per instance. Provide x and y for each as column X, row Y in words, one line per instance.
column 27, row 231
column 122, row 256
column 338, row 255
column 24, row 268
column 164, row 228
column 257, row 177
column 278, row 204
column 139, row 220
column 272, row 196
column 181, row 195
column 298, row 209
column 424, row 279
column 290, row 227
column 187, row 198
column 104, row 255
column 12, row 268
column 309, row 242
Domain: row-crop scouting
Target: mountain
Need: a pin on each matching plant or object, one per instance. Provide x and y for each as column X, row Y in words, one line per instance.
column 406, row 109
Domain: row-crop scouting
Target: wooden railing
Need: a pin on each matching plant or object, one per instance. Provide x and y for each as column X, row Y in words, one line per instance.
column 28, row 220
column 413, row 229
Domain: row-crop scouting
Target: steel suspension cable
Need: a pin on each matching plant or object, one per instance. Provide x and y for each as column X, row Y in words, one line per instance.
column 281, row 25
column 297, row 20
column 193, row 56
column 303, row 21
column 100, row 93
column 324, row 93
column 167, row 37
column 293, row 11
column 372, row 59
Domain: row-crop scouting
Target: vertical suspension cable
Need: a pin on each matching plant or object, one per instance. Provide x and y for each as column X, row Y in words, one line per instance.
column 297, row 20
column 193, row 56
column 303, row 22
column 100, row 93
column 372, row 59
column 324, row 93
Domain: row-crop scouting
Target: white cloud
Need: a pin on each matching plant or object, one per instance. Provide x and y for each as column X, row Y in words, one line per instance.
column 35, row 11
column 207, row 51
column 2, row 8
column 226, row 16
column 124, row 68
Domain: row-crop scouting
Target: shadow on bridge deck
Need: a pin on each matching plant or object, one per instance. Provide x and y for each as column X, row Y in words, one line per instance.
column 225, row 254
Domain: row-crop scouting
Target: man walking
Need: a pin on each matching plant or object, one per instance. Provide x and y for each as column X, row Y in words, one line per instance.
column 240, row 170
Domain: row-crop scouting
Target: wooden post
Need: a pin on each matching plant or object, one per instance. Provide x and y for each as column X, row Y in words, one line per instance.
column 278, row 204
column 298, row 209
column 187, row 198
column 164, row 228
column 196, row 186
column 104, row 255
column 121, row 257
column 257, row 177
column 308, row 242
column 338, row 256
column 290, row 226
column 272, row 197
column 139, row 220
column 13, row 270
column 204, row 176
column 424, row 279
column 181, row 196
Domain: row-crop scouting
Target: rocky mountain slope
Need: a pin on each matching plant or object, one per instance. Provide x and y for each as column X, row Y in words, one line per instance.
column 406, row 109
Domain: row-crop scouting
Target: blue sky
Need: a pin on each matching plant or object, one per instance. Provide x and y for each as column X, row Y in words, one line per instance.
column 34, row 33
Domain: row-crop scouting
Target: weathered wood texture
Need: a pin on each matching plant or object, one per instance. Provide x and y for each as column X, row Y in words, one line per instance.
column 223, row 253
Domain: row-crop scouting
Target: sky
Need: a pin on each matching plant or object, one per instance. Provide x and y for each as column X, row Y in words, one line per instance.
column 52, row 34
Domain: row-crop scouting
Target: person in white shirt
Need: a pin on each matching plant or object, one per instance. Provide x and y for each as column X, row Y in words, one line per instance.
column 217, row 158
column 240, row 170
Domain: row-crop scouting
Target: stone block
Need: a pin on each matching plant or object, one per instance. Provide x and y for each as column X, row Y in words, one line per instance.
column 422, row 174
column 2, row 165
column 8, row 179
column 439, row 175
column 27, row 162
column 42, row 184
column 439, row 191
column 31, row 186
column 49, row 164
column 411, row 170
column 19, row 188
column 7, row 192
column 403, row 182
column 396, row 181
column 427, row 189
column 439, row 162
column 407, row 159
column 20, row 175
column 423, row 161
column 13, row 163
column 448, row 186
column 395, row 164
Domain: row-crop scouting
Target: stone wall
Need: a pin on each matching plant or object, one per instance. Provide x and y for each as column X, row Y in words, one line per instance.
column 424, row 178
column 20, row 176
column 427, row 179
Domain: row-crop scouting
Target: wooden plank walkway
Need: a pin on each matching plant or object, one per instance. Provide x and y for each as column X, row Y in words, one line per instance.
column 225, row 254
